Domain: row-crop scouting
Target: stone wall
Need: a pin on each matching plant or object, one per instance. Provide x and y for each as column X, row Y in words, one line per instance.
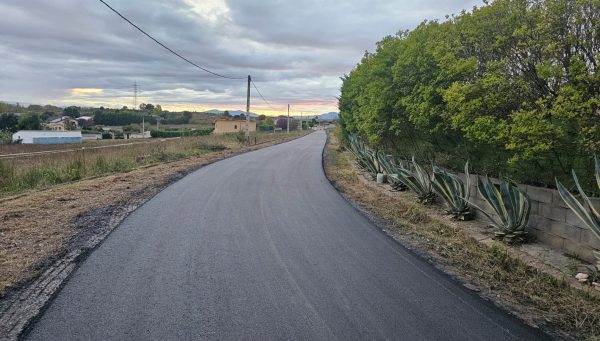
column 551, row 221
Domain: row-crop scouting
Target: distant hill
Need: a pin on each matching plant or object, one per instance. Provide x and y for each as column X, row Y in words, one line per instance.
column 327, row 116
column 330, row 116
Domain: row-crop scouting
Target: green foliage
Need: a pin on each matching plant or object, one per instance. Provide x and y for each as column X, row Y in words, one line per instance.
column 240, row 136
column 30, row 122
column 454, row 192
column 418, row 180
column 583, row 208
column 176, row 119
column 9, row 122
column 265, row 127
column 120, row 118
column 519, row 78
column 5, row 136
column 180, row 133
column 71, row 112
column 511, row 208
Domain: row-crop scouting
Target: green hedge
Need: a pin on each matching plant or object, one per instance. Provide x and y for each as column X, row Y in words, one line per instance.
column 512, row 86
column 179, row 133
column 266, row 127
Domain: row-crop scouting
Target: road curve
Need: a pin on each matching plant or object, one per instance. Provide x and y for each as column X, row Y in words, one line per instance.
column 261, row 247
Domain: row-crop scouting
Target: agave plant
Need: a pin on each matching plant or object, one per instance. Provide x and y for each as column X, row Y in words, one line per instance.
column 365, row 157
column 511, row 207
column 454, row 192
column 418, row 180
column 390, row 166
column 584, row 209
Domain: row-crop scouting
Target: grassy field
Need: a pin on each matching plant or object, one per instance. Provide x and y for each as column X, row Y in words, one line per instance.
column 534, row 295
column 6, row 149
column 65, row 163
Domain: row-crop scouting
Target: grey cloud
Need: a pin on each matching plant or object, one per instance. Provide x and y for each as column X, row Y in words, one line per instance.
column 296, row 50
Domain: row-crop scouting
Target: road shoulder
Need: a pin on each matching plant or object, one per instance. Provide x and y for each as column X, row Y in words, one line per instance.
column 539, row 299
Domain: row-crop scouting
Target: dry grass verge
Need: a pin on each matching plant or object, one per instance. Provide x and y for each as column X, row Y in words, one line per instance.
column 50, row 165
column 36, row 227
column 540, row 299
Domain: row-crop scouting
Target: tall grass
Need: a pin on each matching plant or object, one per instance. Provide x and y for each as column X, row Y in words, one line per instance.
column 18, row 174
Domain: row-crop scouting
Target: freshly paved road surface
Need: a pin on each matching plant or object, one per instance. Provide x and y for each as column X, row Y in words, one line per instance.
column 261, row 247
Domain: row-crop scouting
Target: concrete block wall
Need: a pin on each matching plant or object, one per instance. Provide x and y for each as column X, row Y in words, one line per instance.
column 551, row 221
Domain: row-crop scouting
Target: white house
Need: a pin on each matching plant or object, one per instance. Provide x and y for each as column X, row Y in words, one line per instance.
column 47, row 136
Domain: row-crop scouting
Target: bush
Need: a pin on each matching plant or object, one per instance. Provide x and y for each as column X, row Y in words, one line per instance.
column 266, row 127
column 180, row 133
column 462, row 89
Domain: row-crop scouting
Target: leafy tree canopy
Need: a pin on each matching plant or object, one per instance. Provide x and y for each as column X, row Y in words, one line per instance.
column 513, row 86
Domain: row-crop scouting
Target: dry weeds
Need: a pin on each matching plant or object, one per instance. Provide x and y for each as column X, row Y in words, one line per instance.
column 540, row 299
column 36, row 227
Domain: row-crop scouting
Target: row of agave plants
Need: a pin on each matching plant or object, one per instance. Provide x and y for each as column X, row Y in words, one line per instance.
column 510, row 204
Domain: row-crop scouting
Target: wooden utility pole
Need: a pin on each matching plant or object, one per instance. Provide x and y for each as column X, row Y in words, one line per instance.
column 288, row 122
column 248, row 111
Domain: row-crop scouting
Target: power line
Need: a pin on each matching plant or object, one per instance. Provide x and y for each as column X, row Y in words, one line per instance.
column 261, row 96
column 166, row 47
column 182, row 57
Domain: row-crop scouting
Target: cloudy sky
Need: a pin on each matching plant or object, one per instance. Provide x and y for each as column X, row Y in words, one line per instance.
column 78, row 52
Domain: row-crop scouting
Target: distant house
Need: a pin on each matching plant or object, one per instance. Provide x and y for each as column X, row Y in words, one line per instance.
column 224, row 126
column 63, row 123
column 47, row 136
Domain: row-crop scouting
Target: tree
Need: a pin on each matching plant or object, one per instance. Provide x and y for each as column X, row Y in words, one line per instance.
column 9, row 122
column 142, row 106
column 30, row 121
column 226, row 113
column 261, row 117
column 513, row 86
column 157, row 109
column 149, row 107
column 70, row 125
column 46, row 115
column 71, row 111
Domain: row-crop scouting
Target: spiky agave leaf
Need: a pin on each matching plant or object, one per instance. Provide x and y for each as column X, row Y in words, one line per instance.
column 419, row 181
column 365, row 157
column 583, row 209
column 390, row 166
column 511, row 208
column 454, row 192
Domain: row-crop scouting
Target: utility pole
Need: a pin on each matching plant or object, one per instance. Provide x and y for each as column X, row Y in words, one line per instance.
column 248, row 111
column 135, row 92
column 143, row 135
column 288, row 122
column 301, row 128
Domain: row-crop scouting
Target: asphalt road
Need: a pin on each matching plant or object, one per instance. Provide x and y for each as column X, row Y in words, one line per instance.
column 261, row 247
